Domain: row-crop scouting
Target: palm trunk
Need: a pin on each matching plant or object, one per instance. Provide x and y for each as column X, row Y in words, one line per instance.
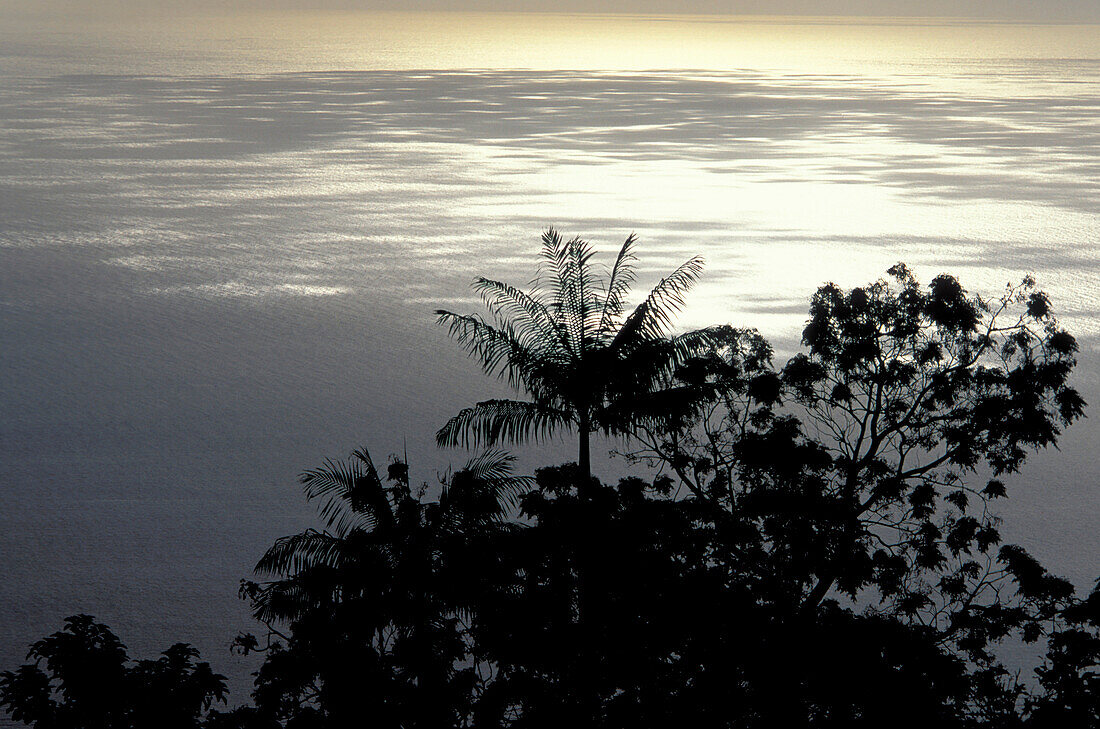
column 586, row 696
column 584, row 458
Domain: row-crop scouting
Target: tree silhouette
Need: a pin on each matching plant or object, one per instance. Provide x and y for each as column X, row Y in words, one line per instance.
column 856, row 462
column 1070, row 675
column 87, row 683
column 374, row 605
column 571, row 347
column 817, row 547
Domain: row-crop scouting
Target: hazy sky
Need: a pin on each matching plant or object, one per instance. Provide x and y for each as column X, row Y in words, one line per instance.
column 1033, row 10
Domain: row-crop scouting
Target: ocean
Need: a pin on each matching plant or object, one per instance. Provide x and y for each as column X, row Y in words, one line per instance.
column 222, row 240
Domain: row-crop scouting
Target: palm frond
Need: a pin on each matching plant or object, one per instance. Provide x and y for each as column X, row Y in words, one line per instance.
column 653, row 317
column 284, row 600
column 484, row 490
column 352, row 493
column 493, row 421
column 493, row 468
column 618, row 285
column 501, row 351
column 535, row 326
column 298, row 552
column 571, row 289
column 639, row 376
column 669, row 406
column 587, row 308
column 696, row 343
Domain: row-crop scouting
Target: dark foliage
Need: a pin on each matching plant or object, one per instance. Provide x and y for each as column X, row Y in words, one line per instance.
column 816, row 545
column 82, row 679
column 626, row 606
column 378, row 605
column 854, row 467
column 675, row 634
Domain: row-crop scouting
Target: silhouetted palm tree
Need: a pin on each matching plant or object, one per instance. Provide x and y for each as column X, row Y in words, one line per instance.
column 376, row 532
column 571, row 347
column 375, row 602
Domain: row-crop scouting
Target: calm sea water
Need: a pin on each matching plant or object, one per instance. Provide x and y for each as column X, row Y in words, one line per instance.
column 221, row 241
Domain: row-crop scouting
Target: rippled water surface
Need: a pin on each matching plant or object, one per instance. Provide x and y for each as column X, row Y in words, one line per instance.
column 220, row 247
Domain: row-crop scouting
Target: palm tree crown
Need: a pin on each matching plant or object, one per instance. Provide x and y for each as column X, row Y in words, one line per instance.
column 570, row 345
column 378, row 601
column 372, row 526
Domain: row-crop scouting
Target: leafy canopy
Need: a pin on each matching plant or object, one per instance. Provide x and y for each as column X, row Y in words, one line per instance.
column 81, row 678
column 863, row 467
